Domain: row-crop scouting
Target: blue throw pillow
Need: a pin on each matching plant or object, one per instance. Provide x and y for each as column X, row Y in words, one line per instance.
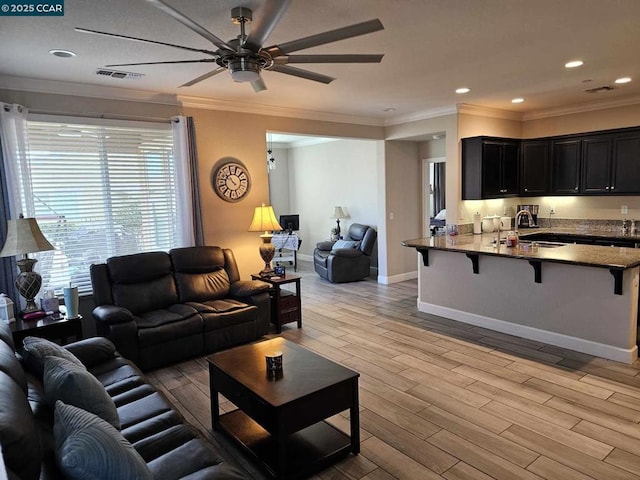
column 344, row 244
column 87, row 447
column 65, row 381
column 37, row 349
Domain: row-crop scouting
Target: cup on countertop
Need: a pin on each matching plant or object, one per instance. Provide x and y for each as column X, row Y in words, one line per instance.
column 71, row 301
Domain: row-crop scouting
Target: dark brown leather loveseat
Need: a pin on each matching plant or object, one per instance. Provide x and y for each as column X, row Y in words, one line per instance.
column 32, row 449
column 160, row 308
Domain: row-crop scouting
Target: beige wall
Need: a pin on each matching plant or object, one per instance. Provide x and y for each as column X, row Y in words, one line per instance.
column 620, row 117
column 403, row 182
column 433, row 148
column 418, row 131
column 336, row 173
column 241, row 135
column 279, row 182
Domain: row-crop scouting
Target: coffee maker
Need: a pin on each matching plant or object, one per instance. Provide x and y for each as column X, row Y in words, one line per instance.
column 523, row 222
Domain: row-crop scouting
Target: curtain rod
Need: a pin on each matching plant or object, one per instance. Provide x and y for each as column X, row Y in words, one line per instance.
column 106, row 116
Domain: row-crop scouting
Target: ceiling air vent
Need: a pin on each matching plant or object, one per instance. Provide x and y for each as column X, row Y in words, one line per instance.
column 118, row 74
column 604, row 88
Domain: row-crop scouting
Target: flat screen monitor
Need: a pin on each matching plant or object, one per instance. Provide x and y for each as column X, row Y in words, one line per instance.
column 291, row 223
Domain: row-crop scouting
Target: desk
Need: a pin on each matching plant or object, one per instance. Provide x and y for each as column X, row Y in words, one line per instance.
column 48, row 327
column 286, row 306
column 287, row 241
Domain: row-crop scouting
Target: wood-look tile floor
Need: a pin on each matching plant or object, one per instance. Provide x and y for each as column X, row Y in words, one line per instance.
column 442, row 399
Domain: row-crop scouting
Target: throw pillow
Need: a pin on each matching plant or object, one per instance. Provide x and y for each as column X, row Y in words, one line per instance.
column 37, row 349
column 87, row 447
column 344, row 244
column 64, row 380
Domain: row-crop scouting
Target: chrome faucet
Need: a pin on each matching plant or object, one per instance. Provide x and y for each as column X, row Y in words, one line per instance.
column 519, row 214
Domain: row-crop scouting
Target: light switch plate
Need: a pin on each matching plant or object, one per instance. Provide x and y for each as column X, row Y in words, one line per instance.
column 624, row 209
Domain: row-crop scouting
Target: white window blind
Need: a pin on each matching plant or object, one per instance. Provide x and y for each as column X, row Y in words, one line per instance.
column 98, row 191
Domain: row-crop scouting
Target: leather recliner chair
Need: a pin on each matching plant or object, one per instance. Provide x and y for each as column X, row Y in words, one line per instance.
column 346, row 264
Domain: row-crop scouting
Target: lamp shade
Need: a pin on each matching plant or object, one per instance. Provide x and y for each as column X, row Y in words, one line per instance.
column 264, row 220
column 24, row 236
column 339, row 213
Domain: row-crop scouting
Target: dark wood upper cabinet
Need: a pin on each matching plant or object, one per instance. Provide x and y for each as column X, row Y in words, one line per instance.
column 489, row 168
column 596, row 164
column 625, row 171
column 565, row 167
column 534, row 167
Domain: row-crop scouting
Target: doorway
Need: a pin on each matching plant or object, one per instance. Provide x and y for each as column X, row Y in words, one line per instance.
column 434, row 195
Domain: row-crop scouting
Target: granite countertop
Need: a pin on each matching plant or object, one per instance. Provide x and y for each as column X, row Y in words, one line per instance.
column 589, row 255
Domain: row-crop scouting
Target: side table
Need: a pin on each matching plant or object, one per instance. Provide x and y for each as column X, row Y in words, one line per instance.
column 49, row 327
column 286, row 306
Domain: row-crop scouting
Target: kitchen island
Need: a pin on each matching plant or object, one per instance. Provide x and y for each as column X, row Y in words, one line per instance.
column 581, row 297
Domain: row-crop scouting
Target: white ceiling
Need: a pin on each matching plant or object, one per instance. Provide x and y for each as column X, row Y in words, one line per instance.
column 499, row 48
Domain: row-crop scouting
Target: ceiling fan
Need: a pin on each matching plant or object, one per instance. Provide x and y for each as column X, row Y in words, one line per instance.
column 245, row 57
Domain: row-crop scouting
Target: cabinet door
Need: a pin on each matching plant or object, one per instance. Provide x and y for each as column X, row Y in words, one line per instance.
column 509, row 169
column 566, row 167
column 625, row 177
column 491, row 169
column 596, row 164
column 534, row 167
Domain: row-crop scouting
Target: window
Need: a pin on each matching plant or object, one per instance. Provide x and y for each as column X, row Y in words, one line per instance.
column 98, row 189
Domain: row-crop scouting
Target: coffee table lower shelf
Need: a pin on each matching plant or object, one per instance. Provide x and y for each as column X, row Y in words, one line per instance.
column 307, row 451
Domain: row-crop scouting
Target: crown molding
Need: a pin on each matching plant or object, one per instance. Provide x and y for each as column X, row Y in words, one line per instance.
column 581, row 108
column 424, row 115
column 479, row 111
column 133, row 95
column 85, row 90
column 304, row 143
column 275, row 111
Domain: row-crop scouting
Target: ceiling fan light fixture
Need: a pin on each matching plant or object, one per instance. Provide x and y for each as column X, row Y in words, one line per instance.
column 244, row 69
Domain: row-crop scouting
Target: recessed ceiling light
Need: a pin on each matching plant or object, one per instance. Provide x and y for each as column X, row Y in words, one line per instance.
column 463, row 90
column 62, row 53
column 623, row 80
column 574, row 64
column 517, row 100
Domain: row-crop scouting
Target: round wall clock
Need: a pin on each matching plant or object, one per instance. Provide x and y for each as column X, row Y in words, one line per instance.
column 231, row 181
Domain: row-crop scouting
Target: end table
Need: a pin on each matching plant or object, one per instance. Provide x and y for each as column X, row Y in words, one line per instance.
column 49, row 327
column 286, row 306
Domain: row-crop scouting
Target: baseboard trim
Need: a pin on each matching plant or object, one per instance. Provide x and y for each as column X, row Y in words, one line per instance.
column 305, row 258
column 401, row 277
column 626, row 355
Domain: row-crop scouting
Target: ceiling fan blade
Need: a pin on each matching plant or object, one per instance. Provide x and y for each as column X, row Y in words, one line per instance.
column 204, row 60
column 347, row 58
column 325, row 37
column 258, row 85
column 204, row 77
column 270, row 14
column 192, row 24
column 298, row 72
column 144, row 40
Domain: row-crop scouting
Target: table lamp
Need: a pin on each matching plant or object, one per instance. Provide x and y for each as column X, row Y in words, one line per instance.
column 339, row 214
column 23, row 237
column 264, row 220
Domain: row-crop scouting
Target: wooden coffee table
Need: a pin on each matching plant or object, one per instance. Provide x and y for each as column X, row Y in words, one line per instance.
column 280, row 419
